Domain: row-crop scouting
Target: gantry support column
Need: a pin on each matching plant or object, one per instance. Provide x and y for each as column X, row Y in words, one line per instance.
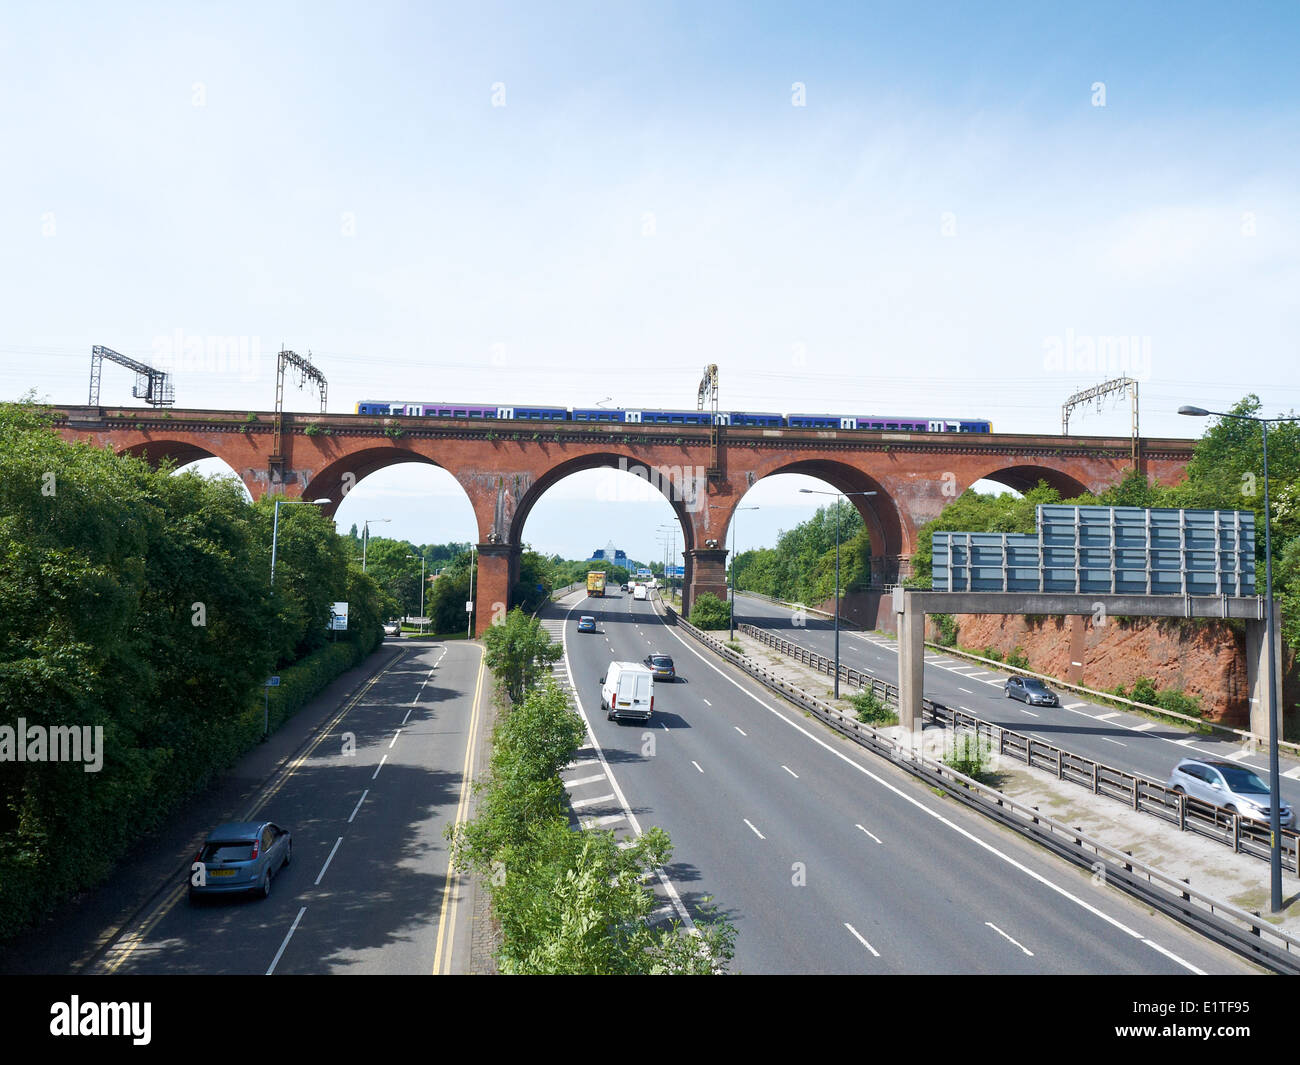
column 1258, row 676
column 911, row 665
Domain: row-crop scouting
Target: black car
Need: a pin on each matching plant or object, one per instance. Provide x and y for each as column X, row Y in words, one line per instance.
column 661, row 665
column 1031, row 690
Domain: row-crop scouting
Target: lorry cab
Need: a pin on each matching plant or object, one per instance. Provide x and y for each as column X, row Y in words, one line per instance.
column 627, row 690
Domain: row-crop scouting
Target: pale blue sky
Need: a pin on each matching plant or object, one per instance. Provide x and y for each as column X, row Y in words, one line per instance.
column 943, row 228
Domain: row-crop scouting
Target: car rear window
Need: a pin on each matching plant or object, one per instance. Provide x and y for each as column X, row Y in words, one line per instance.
column 661, row 660
column 239, row 850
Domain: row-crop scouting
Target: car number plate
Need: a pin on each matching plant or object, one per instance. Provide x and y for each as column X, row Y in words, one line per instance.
column 222, row 872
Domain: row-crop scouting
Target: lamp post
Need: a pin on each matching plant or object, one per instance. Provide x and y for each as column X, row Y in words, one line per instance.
column 1274, row 783
column 275, row 524
column 421, row 558
column 816, row 492
column 672, row 529
column 365, row 537
column 714, row 506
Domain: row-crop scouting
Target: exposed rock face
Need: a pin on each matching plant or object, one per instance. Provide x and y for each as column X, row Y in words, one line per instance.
column 1206, row 659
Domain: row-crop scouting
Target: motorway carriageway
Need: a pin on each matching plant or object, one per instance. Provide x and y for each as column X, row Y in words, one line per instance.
column 826, row 858
column 1123, row 740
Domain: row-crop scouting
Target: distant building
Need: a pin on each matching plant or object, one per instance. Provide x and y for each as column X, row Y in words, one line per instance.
column 615, row 556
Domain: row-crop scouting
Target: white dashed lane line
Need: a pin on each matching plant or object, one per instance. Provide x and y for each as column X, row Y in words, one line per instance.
column 858, row 936
column 697, row 765
column 753, row 829
column 790, row 771
column 327, row 861
column 999, row 931
column 584, row 780
column 358, row 805
column 871, row 834
column 740, row 730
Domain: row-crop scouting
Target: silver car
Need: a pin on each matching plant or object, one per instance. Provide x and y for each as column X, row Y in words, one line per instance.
column 241, row 856
column 1227, row 784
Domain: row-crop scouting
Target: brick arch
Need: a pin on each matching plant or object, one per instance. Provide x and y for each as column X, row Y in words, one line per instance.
column 880, row 513
column 520, row 507
column 182, row 452
column 349, row 470
column 1023, row 478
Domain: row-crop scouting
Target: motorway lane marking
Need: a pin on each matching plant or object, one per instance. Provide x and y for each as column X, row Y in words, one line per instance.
column 744, row 733
column 707, row 703
column 1024, row 711
column 1008, row 938
column 327, row 861
column 395, row 735
column 129, row 941
column 1109, row 740
column 751, row 825
column 601, row 822
column 873, row 836
column 584, row 780
column 578, row 804
column 941, row 818
column 1187, row 742
column 1074, row 706
column 358, row 805
column 447, row 912
column 790, row 771
column 858, row 936
column 1240, row 755
column 1294, row 774
column 1144, row 726
column 1100, row 717
column 966, row 690
column 293, row 928
column 663, row 726
column 697, row 765
column 379, row 766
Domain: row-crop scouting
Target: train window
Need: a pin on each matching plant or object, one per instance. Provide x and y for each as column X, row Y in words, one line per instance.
column 891, row 425
column 460, row 414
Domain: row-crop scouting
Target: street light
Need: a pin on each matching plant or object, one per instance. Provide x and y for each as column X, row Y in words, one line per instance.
column 1274, row 784
column 421, row 558
column 365, row 537
column 275, row 524
column 671, row 528
column 714, row 506
column 816, row 492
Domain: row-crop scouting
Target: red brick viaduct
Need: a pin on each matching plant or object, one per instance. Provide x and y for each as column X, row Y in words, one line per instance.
column 505, row 467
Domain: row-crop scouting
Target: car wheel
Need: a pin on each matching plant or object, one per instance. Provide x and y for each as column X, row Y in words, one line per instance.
column 1179, row 788
column 288, row 852
column 264, row 889
column 1006, row 692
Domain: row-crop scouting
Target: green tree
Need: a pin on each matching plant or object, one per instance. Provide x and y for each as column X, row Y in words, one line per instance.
column 519, row 653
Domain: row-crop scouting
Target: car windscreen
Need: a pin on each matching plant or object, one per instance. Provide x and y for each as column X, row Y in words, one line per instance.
column 1242, row 780
column 237, row 850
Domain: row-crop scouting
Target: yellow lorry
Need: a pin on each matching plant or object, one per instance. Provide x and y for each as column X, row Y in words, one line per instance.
column 596, row 583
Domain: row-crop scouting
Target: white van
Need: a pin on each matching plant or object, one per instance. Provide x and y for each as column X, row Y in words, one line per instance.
column 640, row 592
column 627, row 690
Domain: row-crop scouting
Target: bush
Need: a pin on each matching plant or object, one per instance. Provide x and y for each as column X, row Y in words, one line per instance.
column 1179, row 703
column 991, row 653
column 1017, row 659
column 710, row 612
column 945, row 629
column 972, row 756
column 1144, row 691
column 872, row 710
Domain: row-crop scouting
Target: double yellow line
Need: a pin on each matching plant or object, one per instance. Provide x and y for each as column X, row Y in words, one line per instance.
column 447, row 914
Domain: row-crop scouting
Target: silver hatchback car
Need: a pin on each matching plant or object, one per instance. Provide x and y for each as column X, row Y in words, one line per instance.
column 241, row 856
column 1227, row 784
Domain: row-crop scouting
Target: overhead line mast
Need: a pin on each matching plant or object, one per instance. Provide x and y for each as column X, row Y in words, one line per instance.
column 306, row 372
column 1119, row 384
column 709, row 395
column 153, row 386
